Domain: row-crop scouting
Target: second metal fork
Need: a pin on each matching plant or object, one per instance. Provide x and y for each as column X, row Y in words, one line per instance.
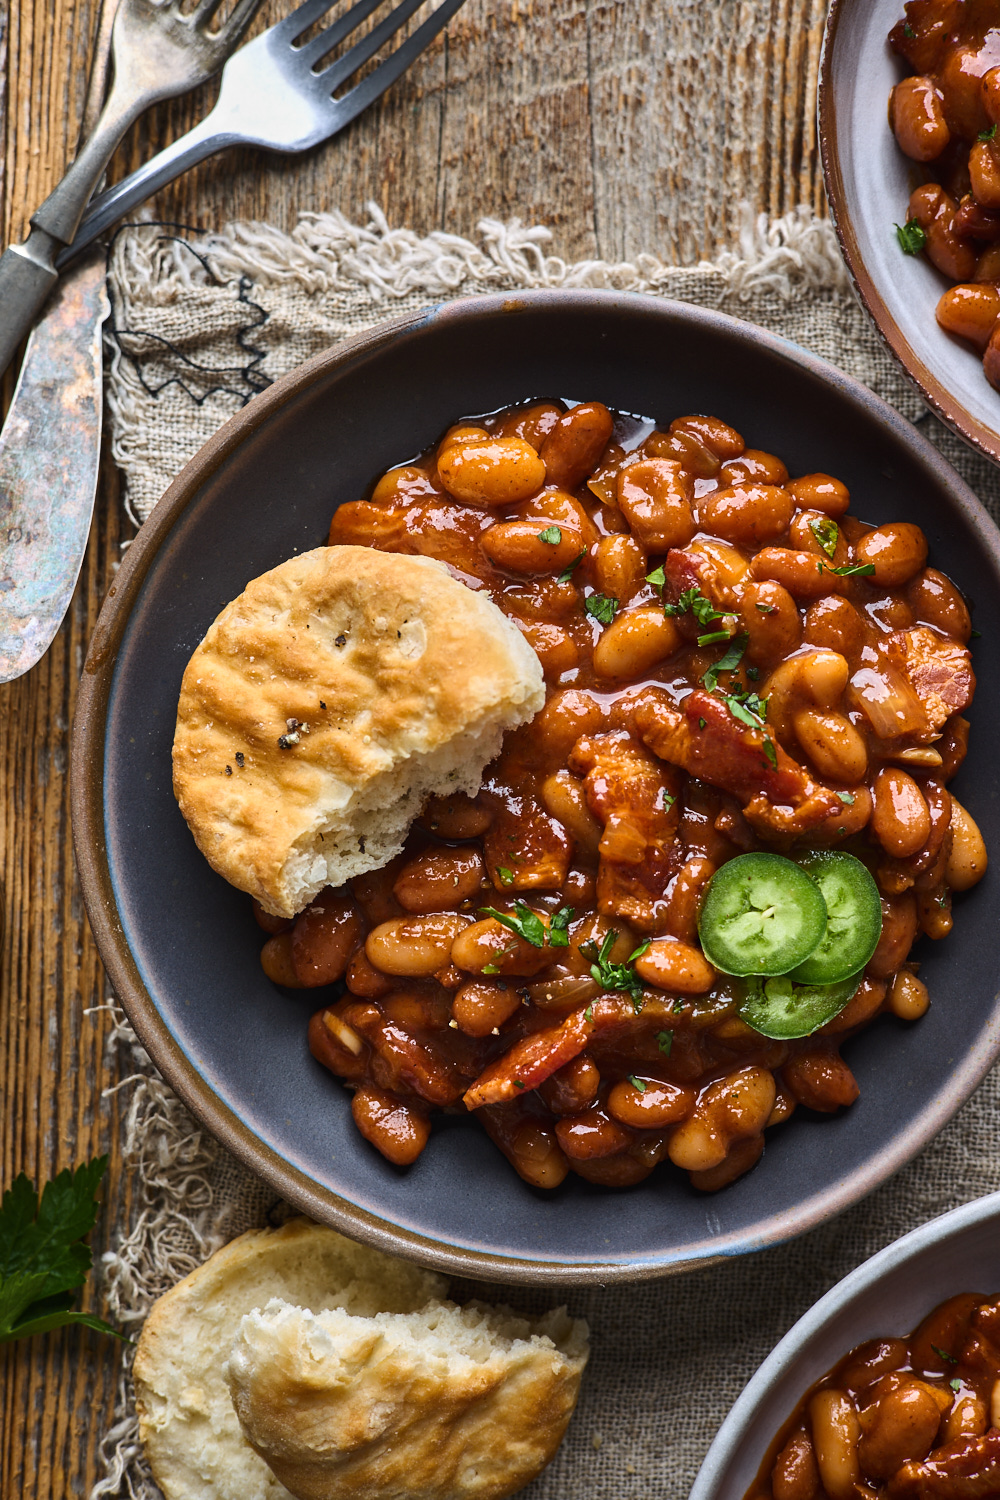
column 279, row 96
column 158, row 52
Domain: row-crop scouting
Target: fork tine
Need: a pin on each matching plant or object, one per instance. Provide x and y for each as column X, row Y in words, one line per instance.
column 382, row 77
column 333, row 76
column 301, row 19
column 320, row 45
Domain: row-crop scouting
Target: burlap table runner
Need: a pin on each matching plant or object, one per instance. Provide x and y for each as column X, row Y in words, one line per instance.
column 197, row 329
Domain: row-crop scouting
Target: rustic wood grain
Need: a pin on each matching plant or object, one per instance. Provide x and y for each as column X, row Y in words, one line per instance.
column 627, row 126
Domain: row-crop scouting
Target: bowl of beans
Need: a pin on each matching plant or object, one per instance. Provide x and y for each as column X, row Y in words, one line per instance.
column 909, row 105
column 700, row 946
column 888, row 1387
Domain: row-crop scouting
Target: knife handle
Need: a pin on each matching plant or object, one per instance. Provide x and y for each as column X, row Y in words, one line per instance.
column 25, row 284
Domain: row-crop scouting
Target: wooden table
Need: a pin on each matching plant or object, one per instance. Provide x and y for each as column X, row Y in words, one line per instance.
column 626, row 126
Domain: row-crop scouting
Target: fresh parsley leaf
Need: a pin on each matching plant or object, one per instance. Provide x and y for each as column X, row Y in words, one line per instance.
column 589, row 1012
column 701, row 723
column 955, row 1383
column 908, row 31
column 847, row 798
column 665, row 1040
column 767, row 609
column 694, row 600
column 664, row 800
column 976, row 635
column 712, row 637
column 989, row 135
column 911, row 237
column 567, row 573
column 948, row 1358
column 519, row 1083
column 753, row 673
column 771, row 754
column 524, row 922
column 827, row 533
column 748, row 709
column 506, row 876
column 42, row 1259
column 552, row 535
column 851, row 570
column 559, row 926
column 602, row 608
column 727, row 663
column 656, row 578
column 637, row 1083
column 619, row 977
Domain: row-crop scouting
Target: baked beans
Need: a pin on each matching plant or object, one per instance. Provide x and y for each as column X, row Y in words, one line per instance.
column 945, row 115
column 734, row 664
column 913, row 1418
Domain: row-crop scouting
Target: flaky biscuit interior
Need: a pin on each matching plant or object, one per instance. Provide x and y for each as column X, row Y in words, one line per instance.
column 441, row 1404
column 324, row 706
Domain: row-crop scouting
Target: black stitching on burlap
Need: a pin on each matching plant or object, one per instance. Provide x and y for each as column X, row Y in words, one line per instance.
column 244, row 378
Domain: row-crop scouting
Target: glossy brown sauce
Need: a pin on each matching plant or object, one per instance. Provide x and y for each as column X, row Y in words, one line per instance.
column 638, row 779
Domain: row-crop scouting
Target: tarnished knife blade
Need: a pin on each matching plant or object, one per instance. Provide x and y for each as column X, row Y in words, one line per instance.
column 49, row 454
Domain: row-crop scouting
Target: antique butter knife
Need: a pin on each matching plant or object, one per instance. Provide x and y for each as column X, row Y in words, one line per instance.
column 50, row 448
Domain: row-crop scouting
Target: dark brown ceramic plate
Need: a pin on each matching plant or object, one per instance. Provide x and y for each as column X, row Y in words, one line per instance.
column 181, row 945
column 868, row 183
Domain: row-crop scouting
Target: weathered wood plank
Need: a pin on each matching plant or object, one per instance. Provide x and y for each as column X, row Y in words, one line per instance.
column 626, row 125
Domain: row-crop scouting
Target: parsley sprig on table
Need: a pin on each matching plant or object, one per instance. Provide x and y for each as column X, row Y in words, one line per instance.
column 42, row 1259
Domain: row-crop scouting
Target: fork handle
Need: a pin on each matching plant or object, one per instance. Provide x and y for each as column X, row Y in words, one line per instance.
column 106, row 208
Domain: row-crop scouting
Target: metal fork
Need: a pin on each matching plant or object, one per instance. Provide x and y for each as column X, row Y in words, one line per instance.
column 158, row 52
column 275, row 95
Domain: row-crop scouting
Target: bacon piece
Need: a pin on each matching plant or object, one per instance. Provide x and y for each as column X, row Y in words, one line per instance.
column 968, row 1469
column 683, row 570
column 524, row 840
column 635, row 799
column 530, row 1061
column 709, row 743
column 938, row 669
column 403, row 1063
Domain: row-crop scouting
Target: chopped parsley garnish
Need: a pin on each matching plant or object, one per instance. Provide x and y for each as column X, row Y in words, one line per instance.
column 601, row 608
column 850, row 570
column 748, row 708
column 609, row 976
column 847, row 798
column 519, row 1083
column 908, row 31
column 771, row 754
column 727, row 663
column 567, row 573
column 589, row 1012
column 524, row 923
column 664, row 800
column 559, row 927
column 637, row 1083
column 656, row 578
column 767, row 609
column 827, row 533
column 911, row 237
column 989, row 135
column 955, row 1383
column 665, row 1040
column 552, row 535
column 701, row 723
column 42, row 1258
column 506, row 876
column 694, row 600
column 948, row 1358
column 712, row 637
